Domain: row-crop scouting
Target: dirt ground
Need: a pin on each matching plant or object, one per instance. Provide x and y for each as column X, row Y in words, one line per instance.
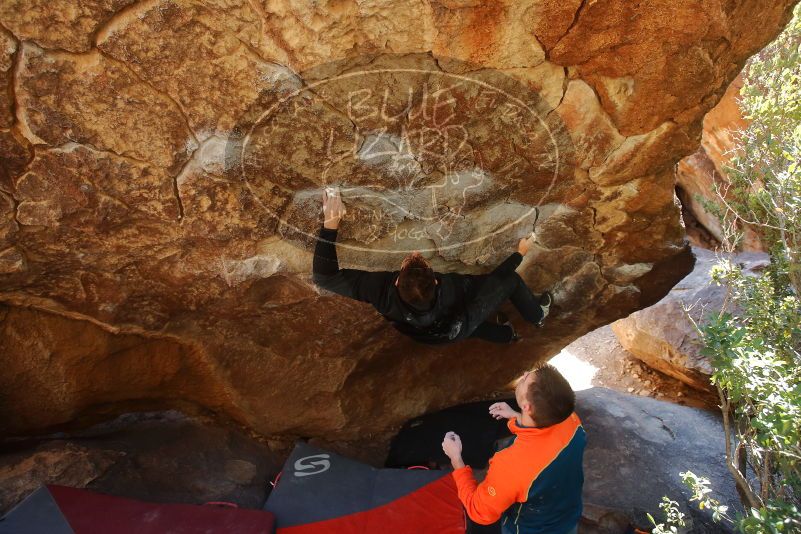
column 598, row 359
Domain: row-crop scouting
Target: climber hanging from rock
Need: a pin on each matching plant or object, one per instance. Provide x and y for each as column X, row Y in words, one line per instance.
column 430, row 307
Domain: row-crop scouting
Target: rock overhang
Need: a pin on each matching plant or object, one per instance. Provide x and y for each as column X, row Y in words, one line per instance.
column 145, row 198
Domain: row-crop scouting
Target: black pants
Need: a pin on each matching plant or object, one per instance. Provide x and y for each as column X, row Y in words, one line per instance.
column 490, row 298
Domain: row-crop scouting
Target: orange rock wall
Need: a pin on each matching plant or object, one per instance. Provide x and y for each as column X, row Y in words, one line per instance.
column 156, row 231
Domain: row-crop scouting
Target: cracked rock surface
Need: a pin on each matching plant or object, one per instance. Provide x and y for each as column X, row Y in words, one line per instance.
column 155, row 457
column 643, row 445
column 162, row 161
column 701, row 174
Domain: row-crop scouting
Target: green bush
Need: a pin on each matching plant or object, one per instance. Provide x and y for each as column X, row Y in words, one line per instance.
column 755, row 342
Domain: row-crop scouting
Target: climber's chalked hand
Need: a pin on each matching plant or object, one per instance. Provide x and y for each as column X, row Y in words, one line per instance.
column 532, row 237
column 524, row 245
column 333, row 208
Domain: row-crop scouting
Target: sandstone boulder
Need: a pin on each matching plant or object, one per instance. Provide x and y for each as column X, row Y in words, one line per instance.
column 636, row 449
column 700, row 176
column 163, row 161
column 157, row 457
column 664, row 337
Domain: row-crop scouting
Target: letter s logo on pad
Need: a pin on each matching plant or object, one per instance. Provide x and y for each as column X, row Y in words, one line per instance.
column 318, row 462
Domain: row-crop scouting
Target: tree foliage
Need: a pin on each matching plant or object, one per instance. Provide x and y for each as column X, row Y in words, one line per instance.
column 755, row 342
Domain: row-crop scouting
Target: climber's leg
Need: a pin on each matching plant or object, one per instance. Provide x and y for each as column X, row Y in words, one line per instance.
column 527, row 303
column 496, row 333
column 491, row 294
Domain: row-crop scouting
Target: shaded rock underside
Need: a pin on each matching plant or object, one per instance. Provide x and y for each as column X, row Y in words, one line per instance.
column 161, row 164
column 637, row 443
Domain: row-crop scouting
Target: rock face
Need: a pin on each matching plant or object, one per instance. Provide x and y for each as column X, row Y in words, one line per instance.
column 162, row 163
column 699, row 175
column 636, row 449
column 161, row 457
column 663, row 336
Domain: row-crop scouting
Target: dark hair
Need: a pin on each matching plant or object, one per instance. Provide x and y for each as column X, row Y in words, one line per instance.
column 551, row 397
column 416, row 285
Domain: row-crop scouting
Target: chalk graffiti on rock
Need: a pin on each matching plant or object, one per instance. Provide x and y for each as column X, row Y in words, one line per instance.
column 415, row 153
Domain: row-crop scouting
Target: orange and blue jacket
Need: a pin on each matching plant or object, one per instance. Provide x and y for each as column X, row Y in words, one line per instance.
column 535, row 483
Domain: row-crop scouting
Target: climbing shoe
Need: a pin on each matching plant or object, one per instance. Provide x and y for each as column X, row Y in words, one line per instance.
column 545, row 305
column 515, row 336
column 455, row 328
column 502, row 319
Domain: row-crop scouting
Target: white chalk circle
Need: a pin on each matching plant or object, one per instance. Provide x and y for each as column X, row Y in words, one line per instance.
column 417, row 153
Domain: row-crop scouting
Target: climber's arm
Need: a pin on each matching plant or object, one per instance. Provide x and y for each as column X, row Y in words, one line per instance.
column 513, row 261
column 325, row 263
column 484, row 502
column 365, row 286
column 509, row 264
column 352, row 283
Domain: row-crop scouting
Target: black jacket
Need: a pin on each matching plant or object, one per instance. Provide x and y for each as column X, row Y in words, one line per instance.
column 448, row 319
